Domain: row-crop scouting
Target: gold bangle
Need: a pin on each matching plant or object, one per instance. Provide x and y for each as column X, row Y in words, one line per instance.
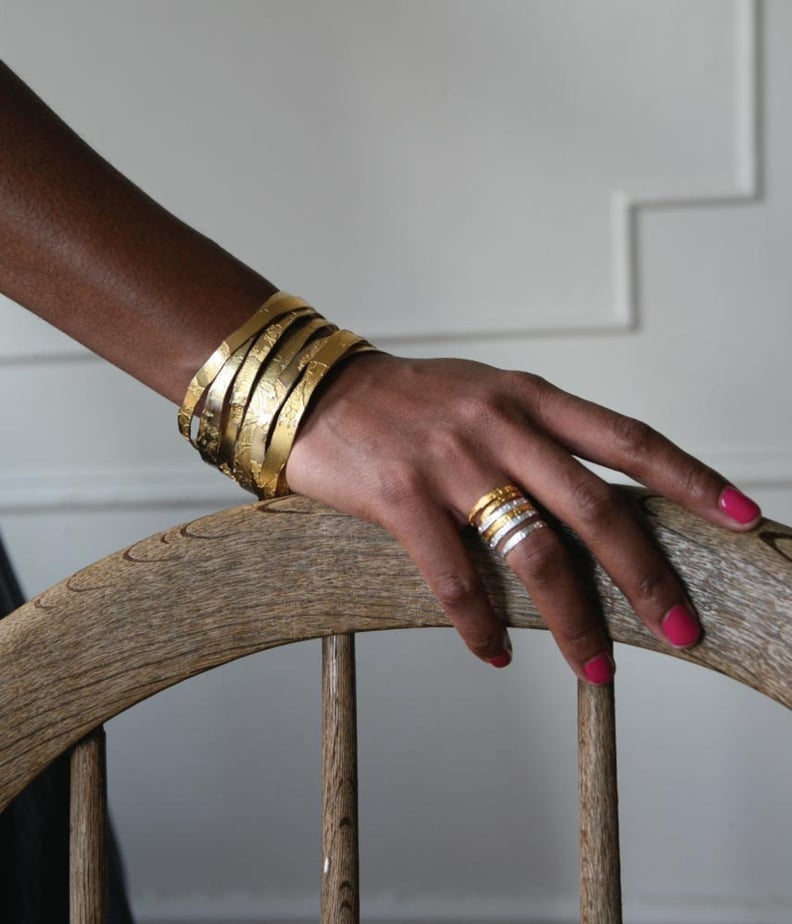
column 282, row 372
column 270, row 480
column 276, row 305
column 256, row 386
column 242, row 386
column 207, row 440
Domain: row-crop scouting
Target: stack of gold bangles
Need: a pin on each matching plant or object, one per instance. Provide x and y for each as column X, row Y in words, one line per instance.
column 256, row 387
column 504, row 518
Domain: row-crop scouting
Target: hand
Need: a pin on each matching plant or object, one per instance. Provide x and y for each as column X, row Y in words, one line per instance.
column 412, row 445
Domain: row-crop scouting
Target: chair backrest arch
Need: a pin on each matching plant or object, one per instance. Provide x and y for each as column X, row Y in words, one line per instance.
column 256, row 577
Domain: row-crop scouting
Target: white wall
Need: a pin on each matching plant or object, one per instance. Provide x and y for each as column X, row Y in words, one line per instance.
column 596, row 192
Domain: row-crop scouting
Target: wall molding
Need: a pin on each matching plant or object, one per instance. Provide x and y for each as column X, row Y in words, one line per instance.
column 112, row 488
column 627, row 208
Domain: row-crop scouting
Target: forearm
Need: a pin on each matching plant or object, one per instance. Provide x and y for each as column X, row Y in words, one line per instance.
column 85, row 249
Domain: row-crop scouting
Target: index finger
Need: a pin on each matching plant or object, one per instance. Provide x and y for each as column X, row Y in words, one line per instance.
column 631, row 446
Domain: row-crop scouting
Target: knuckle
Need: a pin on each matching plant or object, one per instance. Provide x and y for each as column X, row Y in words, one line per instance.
column 540, row 558
column 533, row 389
column 481, row 409
column 634, row 437
column 578, row 639
column 595, row 502
column 400, row 488
column 454, row 589
column 450, row 445
column 531, row 380
column 697, row 483
column 648, row 587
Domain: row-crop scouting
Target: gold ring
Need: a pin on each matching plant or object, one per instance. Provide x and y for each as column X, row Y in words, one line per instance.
column 507, row 492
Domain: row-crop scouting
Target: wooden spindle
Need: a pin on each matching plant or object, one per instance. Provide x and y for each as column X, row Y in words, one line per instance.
column 88, row 829
column 600, row 873
column 340, row 903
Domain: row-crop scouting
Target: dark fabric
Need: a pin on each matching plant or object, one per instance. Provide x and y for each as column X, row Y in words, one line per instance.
column 34, row 832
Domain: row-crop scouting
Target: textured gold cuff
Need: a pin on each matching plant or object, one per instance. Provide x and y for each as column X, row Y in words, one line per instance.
column 278, row 304
column 256, row 387
column 270, row 479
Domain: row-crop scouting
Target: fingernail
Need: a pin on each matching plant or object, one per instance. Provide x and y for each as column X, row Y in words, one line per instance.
column 680, row 626
column 501, row 660
column 505, row 659
column 600, row 669
column 739, row 507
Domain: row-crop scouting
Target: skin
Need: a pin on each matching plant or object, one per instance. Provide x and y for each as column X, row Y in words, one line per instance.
column 85, row 249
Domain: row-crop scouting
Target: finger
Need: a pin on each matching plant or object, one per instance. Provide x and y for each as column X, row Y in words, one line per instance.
column 607, row 525
column 633, row 447
column 432, row 539
column 546, row 569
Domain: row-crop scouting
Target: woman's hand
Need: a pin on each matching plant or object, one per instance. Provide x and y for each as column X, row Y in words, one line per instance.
column 413, row 444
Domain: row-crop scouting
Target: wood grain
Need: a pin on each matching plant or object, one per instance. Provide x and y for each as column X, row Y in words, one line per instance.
column 259, row 576
column 340, row 902
column 600, row 873
column 88, row 829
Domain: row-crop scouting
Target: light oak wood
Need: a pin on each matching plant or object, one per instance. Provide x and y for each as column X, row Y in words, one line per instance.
column 600, row 877
column 264, row 575
column 88, row 828
column 340, row 902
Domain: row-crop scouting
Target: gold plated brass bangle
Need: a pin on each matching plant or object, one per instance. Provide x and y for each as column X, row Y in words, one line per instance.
column 282, row 372
column 258, row 356
column 255, row 388
column 270, row 480
column 278, row 304
column 207, row 441
column 490, row 500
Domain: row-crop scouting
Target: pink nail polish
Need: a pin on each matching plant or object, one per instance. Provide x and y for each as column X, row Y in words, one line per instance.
column 501, row 660
column 600, row 669
column 739, row 507
column 681, row 627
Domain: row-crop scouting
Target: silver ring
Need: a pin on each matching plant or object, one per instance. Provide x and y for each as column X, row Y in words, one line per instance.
column 509, row 527
column 516, row 538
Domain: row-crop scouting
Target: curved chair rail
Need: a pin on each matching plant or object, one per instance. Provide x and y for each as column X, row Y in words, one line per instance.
column 255, row 577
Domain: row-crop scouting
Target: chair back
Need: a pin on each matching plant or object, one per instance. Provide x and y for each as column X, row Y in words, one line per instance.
column 257, row 577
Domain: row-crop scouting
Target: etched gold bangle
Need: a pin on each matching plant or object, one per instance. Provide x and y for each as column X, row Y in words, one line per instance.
column 272, row 401
column 257, row 357
column 278, row 304
column 282, row 372
column 207, row 440
column 256, row 386
column 270, row 480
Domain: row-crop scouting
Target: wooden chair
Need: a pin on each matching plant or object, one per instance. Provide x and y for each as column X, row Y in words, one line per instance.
column 188, row 599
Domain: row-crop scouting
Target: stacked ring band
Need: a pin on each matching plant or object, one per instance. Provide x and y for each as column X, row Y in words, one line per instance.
column 504, row 518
